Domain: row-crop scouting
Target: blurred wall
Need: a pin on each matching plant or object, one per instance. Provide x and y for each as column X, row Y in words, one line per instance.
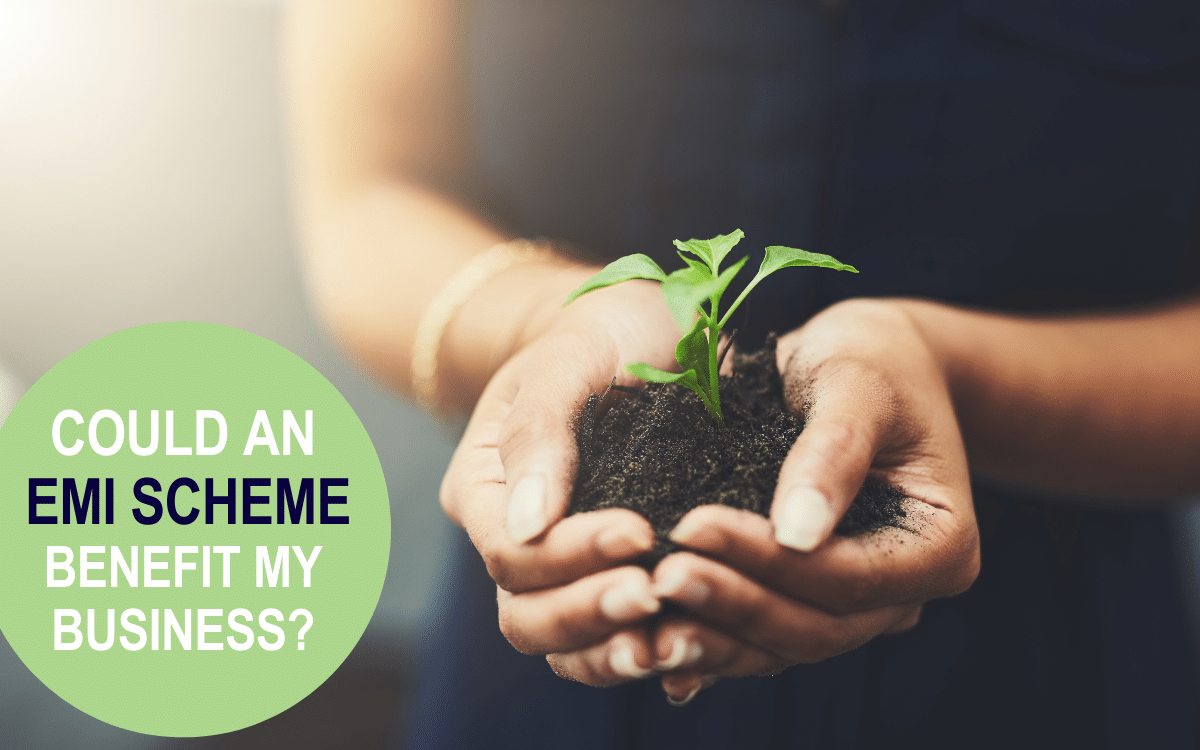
column 143, row 179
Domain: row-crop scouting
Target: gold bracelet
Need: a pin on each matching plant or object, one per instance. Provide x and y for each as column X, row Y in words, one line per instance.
column 431, row 329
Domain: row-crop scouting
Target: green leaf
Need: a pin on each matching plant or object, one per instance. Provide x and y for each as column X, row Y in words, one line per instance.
column 778, row 257
column 692, row 354
column 652, row 374
column 727, row 275
column 684, row 290
column 636, row 266
column 712, row 251
column 696, row 264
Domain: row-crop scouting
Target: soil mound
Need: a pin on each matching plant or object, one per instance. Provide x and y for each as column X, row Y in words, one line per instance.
column 661, row 454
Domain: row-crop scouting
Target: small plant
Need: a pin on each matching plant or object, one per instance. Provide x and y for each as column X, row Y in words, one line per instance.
column 685, row 292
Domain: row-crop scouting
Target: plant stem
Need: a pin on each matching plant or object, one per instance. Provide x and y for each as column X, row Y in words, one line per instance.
column 714, row 411
column 714, row 332
column 753, row 283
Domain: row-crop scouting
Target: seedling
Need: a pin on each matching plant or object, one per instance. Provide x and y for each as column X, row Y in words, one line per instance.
column 685, row 292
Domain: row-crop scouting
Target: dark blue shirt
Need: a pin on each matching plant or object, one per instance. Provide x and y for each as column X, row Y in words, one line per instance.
column 1021, row 155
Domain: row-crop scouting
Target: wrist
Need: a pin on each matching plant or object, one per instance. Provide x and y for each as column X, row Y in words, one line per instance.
column 988, row 372
column 494, row 322
column 939, row 328
column 951, row 340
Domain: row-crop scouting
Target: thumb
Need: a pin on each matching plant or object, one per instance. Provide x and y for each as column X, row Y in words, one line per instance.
column 827, row 465
column 537, row 441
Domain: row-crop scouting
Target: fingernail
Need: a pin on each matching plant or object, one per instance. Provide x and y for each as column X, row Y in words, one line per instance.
column 675, row 658
column 622, row 663
column 686, row 699
column 527, row 508
column 682, row 654
column 803, row 519
column 681, row 689
column 678, row 585
column 685, row 531
column 628, row 601
column 622, row 543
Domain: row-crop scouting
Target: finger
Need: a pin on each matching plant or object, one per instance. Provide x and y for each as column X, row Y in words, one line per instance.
column 792, row 630
column 571, row 549
column 937, row 557
column 824, row 469
column 570, row 617
column 475, row 464
column 474, row 496
column 681, row 688
column 623, row 657
column 575, row 547
column 685, row 646
column 537, row 439
column 907, row 623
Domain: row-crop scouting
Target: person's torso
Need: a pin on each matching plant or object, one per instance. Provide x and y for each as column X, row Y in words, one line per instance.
column 1013, row 154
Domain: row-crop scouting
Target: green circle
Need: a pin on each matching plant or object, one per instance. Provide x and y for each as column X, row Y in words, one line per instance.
column 185, row 368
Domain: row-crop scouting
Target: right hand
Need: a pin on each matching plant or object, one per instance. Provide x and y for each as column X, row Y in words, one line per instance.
column 565, row 588
column 766, row 594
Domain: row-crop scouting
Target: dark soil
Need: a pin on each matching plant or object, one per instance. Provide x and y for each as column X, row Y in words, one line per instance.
column 660, row 453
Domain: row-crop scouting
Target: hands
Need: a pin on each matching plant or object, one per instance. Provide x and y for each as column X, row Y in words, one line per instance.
column 766, row 595
column 563, row 584
column 762, row 594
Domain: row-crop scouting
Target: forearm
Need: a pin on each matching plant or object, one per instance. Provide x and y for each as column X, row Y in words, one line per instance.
column 1103, row 405
column 377, row 262
column 380, row 138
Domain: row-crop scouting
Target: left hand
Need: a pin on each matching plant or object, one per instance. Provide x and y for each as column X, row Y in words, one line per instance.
column 562, row 583
column 767, row 594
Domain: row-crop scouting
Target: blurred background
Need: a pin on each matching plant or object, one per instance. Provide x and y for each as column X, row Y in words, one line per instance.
column 144, row 178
